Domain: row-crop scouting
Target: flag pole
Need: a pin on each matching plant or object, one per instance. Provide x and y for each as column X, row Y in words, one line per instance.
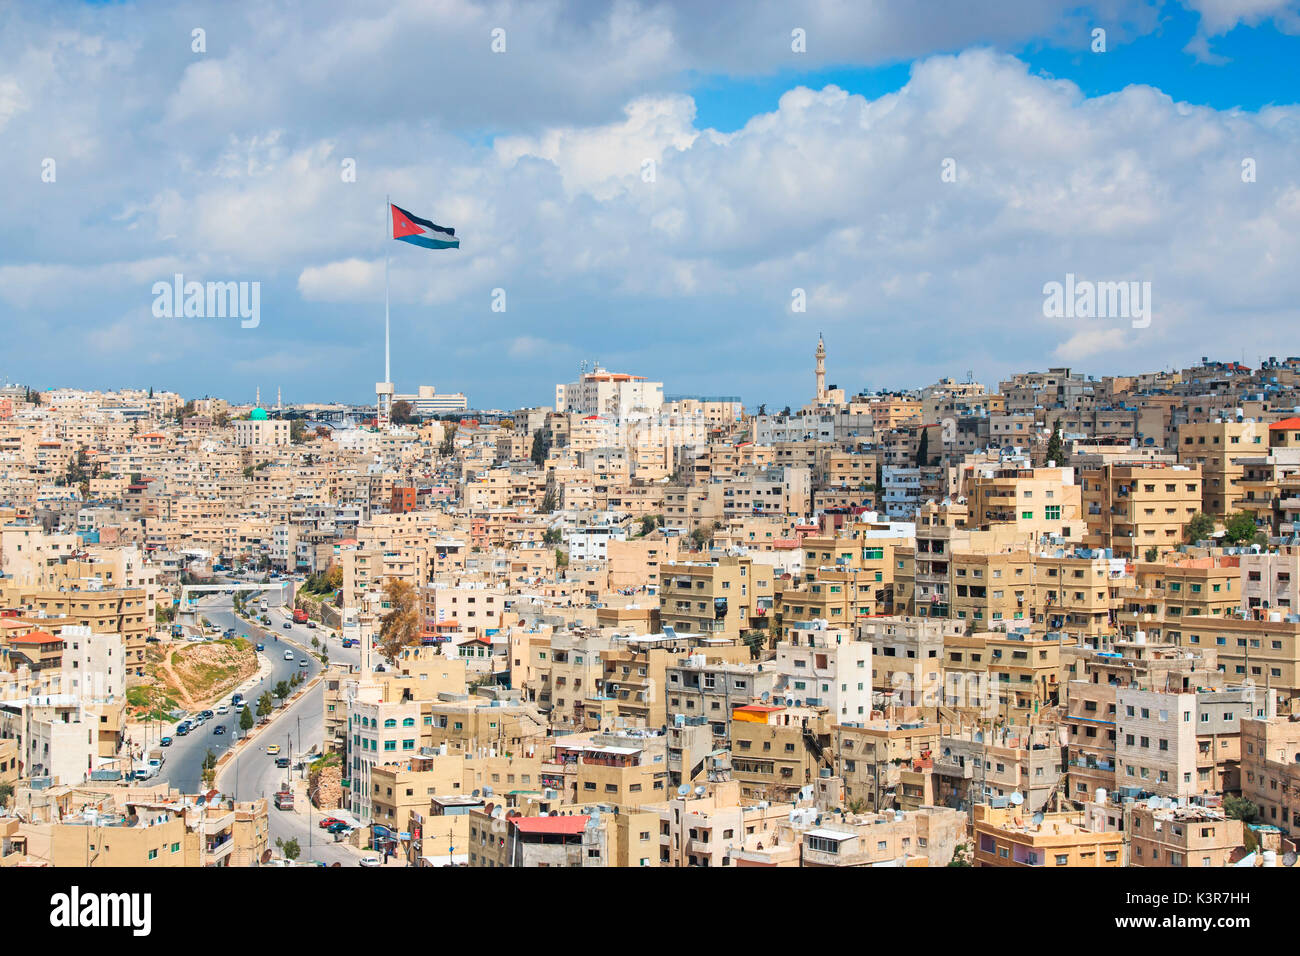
column 388, row 211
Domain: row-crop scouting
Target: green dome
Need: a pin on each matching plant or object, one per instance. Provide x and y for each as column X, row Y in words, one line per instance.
column 257, row 415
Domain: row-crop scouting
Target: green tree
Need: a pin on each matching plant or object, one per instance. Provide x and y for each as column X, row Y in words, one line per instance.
column 209, row 767
column 552, row 536
column 923, row 449
column 246, row 719
column 1239, row 808
column 541, row 448
column 1056, row 446
column 1152, row 554
column 265, row 705
column 297, row 431
column 1199, row 527
column 648, row 525
column 561, row 558
column 1240, row 528
column 6, row 791
column 289, row 848
column 448, row 446
column 549, row 501
column 282, row 690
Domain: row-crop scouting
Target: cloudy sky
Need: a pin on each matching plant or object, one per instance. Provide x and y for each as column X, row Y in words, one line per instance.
column 643, row 184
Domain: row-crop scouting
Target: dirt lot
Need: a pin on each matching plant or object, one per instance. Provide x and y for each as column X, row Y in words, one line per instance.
column 190, row 676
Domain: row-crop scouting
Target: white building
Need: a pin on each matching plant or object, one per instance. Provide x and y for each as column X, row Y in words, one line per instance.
column 94, row 665
column 592, row 544
column 612, row 394
column 825, row 667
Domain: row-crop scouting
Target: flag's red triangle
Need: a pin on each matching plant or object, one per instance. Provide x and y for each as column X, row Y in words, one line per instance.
column 403, row 226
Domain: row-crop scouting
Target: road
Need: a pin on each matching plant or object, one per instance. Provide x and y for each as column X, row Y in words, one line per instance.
column 184, row 764
column 296, row 728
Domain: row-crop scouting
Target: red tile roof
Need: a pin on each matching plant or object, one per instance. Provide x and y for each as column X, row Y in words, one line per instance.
column 567, row 826
column 35, row 637
column 1286, row 423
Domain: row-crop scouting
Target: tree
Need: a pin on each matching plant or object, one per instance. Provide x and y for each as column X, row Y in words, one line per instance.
column 648, row 524
column 923, row 449
column 1199, row 527
column 6, row 791
column 282, row 690
column 246, row 719
column 265, row 705
column 448, row 446
column 1239, row 808
column 561, row 558
column 401, row 625
column 209, row 767
column 552, row 536
column 1152, row 554
column 297, row 431
column 541, row 448
column 1240, row 528
column 549, row 501
column 1055, row 445
column 325, row 656
column 400, row 413
column 289, row 848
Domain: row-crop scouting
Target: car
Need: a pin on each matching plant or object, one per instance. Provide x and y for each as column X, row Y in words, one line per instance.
column 223, row 709
column 302, row 662
column 311, row 625
column 206, row 714
column 288, row 626
column 282, row 762
column 371, row 861
column 288, row 655
column 329, row 822
column 236, row 698
column 241, row 707
column 339, row 828
column 261, row 647
column 182, row 729
column 165, row 742
column 272, row 749
column 219, row 729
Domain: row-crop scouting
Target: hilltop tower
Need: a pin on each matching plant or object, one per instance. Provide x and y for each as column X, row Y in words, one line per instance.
column 821, row 369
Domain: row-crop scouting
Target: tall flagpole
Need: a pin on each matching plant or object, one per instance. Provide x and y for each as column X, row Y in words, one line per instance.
column 384, row 389
column 388, row 212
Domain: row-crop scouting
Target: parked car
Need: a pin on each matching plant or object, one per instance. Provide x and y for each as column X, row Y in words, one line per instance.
column 329, row 822
column 206, row 714
column 282, row 762
column 261, row 647
column 165, row 742
column 371, row 861
column 288, row 626
column 219, row 729
column 339, row 828
column 223, row 709
column 182, row 729
column 311, row 625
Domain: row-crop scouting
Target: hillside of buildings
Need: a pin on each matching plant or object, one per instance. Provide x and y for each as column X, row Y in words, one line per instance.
column 1047, row 622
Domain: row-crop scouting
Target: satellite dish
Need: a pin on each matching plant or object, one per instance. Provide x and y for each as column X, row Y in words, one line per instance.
column 1017, row 798
column 699, row 791
column 1289, row 858
column 683, row 790
column 1038, row 818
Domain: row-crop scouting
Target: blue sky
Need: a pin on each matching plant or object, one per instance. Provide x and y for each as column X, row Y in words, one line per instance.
column 772, row 172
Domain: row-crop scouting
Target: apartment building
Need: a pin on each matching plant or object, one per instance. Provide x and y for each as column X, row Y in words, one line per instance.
column 1004, row 837
column 1184, row 836
column 1135, row 509
column 724, row 597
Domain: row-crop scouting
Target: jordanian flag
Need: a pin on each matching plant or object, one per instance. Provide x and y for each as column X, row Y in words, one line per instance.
column 422, row 232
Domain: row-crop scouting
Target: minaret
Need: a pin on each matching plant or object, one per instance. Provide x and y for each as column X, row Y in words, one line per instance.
column 257, row 402
column 821, row 369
